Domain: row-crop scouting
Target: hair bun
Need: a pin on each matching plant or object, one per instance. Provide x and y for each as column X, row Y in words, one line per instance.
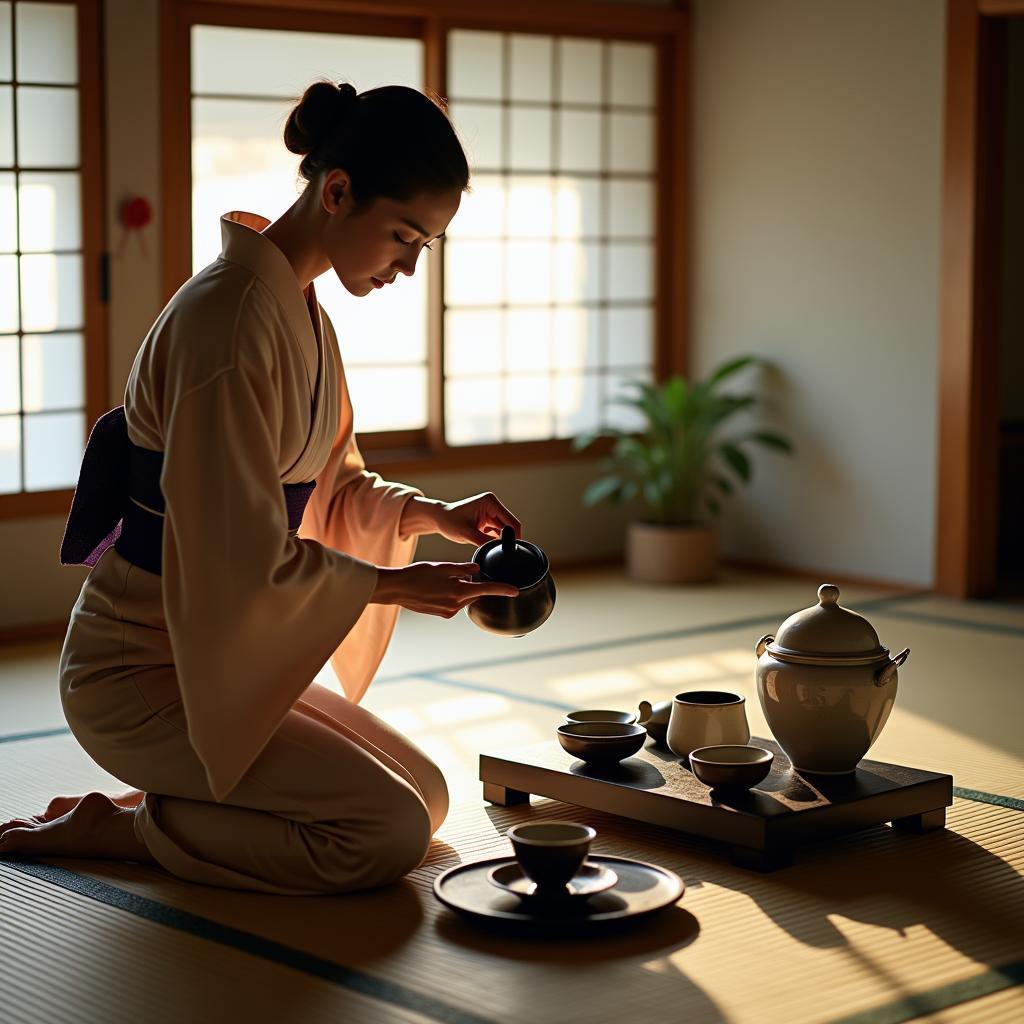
column 314, row 119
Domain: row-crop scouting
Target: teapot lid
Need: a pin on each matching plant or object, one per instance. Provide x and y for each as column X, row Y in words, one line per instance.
column 507, row 560
column 828, row 631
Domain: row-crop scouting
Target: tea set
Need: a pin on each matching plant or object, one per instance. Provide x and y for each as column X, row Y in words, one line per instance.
column 824, row 681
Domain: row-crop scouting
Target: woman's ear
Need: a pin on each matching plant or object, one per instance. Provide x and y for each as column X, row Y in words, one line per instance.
column 335, row 191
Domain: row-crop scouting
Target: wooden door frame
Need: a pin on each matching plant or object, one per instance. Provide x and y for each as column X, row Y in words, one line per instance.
column 965, row 552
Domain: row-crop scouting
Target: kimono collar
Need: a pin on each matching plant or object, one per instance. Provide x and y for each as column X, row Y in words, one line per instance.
column 244, row 244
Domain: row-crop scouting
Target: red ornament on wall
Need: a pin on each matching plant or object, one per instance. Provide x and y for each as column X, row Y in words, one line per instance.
column 134, row 215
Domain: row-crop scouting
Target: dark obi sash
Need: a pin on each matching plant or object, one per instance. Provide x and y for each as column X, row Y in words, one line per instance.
column 118, row 500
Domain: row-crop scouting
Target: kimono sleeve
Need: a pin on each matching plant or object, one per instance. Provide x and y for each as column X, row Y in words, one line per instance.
column 356, row 511
column 253, row 613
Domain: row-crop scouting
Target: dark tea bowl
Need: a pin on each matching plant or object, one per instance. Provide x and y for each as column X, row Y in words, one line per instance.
column 601, row 742
column 551, row 852
column 731, row 765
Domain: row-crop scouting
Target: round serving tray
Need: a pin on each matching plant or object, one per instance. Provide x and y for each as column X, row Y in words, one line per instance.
column 642, row 889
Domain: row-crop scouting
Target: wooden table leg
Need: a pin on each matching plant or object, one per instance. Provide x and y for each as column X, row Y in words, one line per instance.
column 928, row 821
column 502, row 795
column 760, row 860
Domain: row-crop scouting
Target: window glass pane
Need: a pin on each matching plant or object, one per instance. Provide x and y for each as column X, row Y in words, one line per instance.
column 481, row 212
column 51, row 372
column 9, row 398
column 630, row 272
column 472, row 342
column 247, row 61
column 479, row 127
column 632, row 74
column 578, row 207
column 577, row 339
column 527, row 340
column 473, row 411
column 6, row 126
column 630, row 336
column 580, row 71
column 385, row 326
column 531, row 67
column 54, row 443
column 530, row 139
column 531, row 210
column 6, row 66
column 10, row 452
column 579, row 140
column 47, row 43
column 8, row 211
column 577, row 403
column 528, row 401
column 577, row 272
column 392, row 398
column 473, row 273
column 51, row 214
column 47, row 127
column 238, row 163
column 51, row 292
column 475, row 65
column 624, row 416
column 631, row 208
column 8, row 293
column 632, row 142
column 529, row 272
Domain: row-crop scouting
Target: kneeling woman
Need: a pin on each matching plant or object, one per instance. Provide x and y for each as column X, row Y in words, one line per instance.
column 188, row 667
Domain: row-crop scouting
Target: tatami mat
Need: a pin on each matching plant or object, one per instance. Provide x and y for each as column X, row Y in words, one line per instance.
column 875, row 928
column 859, row 918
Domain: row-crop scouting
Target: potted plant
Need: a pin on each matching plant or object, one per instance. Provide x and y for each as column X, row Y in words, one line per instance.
column 680, row 466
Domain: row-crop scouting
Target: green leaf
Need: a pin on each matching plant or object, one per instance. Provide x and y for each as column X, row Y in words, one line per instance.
column 771, row 440
column 729, row 368
column 723, row 485
column 713, row 507
column 601, row 489
column 737, row 460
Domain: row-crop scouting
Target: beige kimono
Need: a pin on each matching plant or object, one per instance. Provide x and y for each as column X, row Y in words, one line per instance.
column 196, row 686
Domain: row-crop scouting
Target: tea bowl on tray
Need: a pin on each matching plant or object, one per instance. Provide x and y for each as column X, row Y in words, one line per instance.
column 601, row 743
column 731, row 765
column 622, row 717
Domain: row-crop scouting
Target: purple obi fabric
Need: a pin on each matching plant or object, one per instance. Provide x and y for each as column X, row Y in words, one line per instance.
column 115, row 471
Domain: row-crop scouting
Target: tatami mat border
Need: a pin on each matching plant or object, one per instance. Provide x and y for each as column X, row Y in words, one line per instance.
column 159, row 913
column 910, row 1007
column 38, row 734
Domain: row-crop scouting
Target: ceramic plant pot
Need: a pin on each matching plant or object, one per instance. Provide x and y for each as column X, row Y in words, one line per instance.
column 826, row 685
column 660, row 553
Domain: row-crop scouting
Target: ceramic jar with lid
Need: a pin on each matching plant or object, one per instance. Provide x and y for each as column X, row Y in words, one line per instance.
column 523, row 565
column 826, row 685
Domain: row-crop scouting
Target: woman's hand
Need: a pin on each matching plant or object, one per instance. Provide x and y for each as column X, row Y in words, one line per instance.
column 474, row 520
column 435, row 588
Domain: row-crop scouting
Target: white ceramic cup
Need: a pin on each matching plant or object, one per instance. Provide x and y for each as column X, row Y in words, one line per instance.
column 705, row 718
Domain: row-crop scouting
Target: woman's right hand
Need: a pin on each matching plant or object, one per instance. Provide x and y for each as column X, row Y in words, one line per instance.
column 435, row 588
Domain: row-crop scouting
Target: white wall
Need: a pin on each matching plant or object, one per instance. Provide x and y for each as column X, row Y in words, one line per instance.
column 815, row 239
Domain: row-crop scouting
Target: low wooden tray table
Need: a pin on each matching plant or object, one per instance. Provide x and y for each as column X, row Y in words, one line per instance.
column 764, row 826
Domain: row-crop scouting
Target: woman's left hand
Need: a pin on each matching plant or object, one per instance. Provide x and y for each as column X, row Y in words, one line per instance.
column 474, row 520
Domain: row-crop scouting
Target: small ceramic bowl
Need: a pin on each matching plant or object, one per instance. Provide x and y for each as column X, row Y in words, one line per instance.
column 601, row 742
column 731, row 765
column 551, row 852
column 622, row 717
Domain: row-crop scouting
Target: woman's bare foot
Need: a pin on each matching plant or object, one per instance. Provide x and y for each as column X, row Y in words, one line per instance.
column 95, row 826
column 60, row 805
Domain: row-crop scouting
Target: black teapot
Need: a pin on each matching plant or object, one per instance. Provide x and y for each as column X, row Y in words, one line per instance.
column 523, row 565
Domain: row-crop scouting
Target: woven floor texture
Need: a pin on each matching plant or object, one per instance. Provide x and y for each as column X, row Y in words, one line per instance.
column 852, row 930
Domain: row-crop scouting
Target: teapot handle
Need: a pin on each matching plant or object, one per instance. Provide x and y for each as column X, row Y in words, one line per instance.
column 886, row 672
column 645, row 710
column 762, row 644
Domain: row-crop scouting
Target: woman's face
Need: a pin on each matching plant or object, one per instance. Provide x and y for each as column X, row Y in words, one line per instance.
column 368, row 248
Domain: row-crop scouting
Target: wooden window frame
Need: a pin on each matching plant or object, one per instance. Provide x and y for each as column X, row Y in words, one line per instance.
column 396, row 452
column 31, row 504
column 966, row 506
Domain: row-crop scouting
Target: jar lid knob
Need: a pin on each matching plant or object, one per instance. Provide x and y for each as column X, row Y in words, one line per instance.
column 828, row 593
column 508, row 541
